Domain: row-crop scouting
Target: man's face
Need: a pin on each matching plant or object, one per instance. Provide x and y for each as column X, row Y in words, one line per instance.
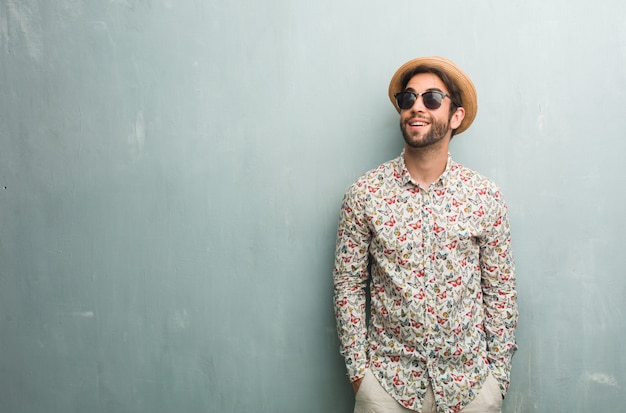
column 422, row 127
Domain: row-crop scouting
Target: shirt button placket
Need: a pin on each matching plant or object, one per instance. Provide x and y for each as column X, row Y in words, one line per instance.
column 430, row 319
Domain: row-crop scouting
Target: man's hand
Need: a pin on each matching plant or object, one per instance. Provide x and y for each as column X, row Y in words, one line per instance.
column 356, row 384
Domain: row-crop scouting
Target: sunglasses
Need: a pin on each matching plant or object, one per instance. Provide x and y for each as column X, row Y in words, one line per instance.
column 431, row 99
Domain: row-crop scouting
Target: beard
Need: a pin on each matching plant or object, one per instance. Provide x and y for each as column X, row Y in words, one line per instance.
column 438, row 130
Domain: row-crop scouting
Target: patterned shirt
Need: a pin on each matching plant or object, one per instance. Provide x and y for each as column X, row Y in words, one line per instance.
column 438, row 266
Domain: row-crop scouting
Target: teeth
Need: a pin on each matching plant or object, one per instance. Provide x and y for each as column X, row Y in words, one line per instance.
column 417, row 124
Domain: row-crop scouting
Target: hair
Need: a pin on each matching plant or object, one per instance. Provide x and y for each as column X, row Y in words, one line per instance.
column 453, row 90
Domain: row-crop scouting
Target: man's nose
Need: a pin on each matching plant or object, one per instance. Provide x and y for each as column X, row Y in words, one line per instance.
column 418, row 105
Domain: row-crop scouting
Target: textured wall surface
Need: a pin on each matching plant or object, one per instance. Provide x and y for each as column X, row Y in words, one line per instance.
column 171, row 173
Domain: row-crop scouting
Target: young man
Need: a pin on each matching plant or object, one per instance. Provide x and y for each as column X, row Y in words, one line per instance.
column 430, row 240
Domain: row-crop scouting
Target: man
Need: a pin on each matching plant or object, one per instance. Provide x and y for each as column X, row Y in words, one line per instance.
column 429, row 239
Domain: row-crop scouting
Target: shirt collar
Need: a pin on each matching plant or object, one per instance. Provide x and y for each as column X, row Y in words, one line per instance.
column 404, row 177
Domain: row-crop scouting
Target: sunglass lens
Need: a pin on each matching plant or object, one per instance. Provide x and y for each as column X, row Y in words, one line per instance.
column 405, row 100
column 432, row 100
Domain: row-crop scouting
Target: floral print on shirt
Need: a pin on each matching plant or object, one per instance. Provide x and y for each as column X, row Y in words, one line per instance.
column 439, row 270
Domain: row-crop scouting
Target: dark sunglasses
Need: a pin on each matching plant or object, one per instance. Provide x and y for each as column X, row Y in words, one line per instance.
column 432, row 99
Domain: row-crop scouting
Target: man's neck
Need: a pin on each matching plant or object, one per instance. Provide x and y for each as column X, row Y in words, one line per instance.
column 425, row 165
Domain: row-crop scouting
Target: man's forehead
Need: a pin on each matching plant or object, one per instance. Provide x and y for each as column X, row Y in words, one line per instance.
column 426, row 81
column 430, row 89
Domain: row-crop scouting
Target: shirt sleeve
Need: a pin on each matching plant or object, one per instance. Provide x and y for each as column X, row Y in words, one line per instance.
column 350, row 277
column 499, row 293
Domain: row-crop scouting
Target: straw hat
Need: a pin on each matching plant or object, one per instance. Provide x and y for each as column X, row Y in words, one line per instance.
column 462, row 80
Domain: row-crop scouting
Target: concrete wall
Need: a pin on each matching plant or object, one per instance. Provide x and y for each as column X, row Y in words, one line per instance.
column 171, row 174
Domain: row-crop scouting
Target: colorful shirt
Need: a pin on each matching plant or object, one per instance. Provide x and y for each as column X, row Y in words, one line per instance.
column 438, row 266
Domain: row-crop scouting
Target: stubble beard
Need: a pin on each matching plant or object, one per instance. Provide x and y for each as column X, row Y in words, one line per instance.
column 437, row 132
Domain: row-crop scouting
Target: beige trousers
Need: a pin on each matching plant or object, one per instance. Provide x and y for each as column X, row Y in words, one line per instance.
column 372, row 398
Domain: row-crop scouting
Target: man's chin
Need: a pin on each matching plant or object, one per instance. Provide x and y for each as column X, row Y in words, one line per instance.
column 421, row 142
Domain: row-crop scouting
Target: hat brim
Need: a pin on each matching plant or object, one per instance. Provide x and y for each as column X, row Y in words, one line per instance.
column 460, row 78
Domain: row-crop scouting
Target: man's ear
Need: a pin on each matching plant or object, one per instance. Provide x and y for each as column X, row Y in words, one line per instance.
column 457, row 118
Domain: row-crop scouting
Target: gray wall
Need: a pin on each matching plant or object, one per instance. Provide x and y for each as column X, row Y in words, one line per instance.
column 171, row 173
